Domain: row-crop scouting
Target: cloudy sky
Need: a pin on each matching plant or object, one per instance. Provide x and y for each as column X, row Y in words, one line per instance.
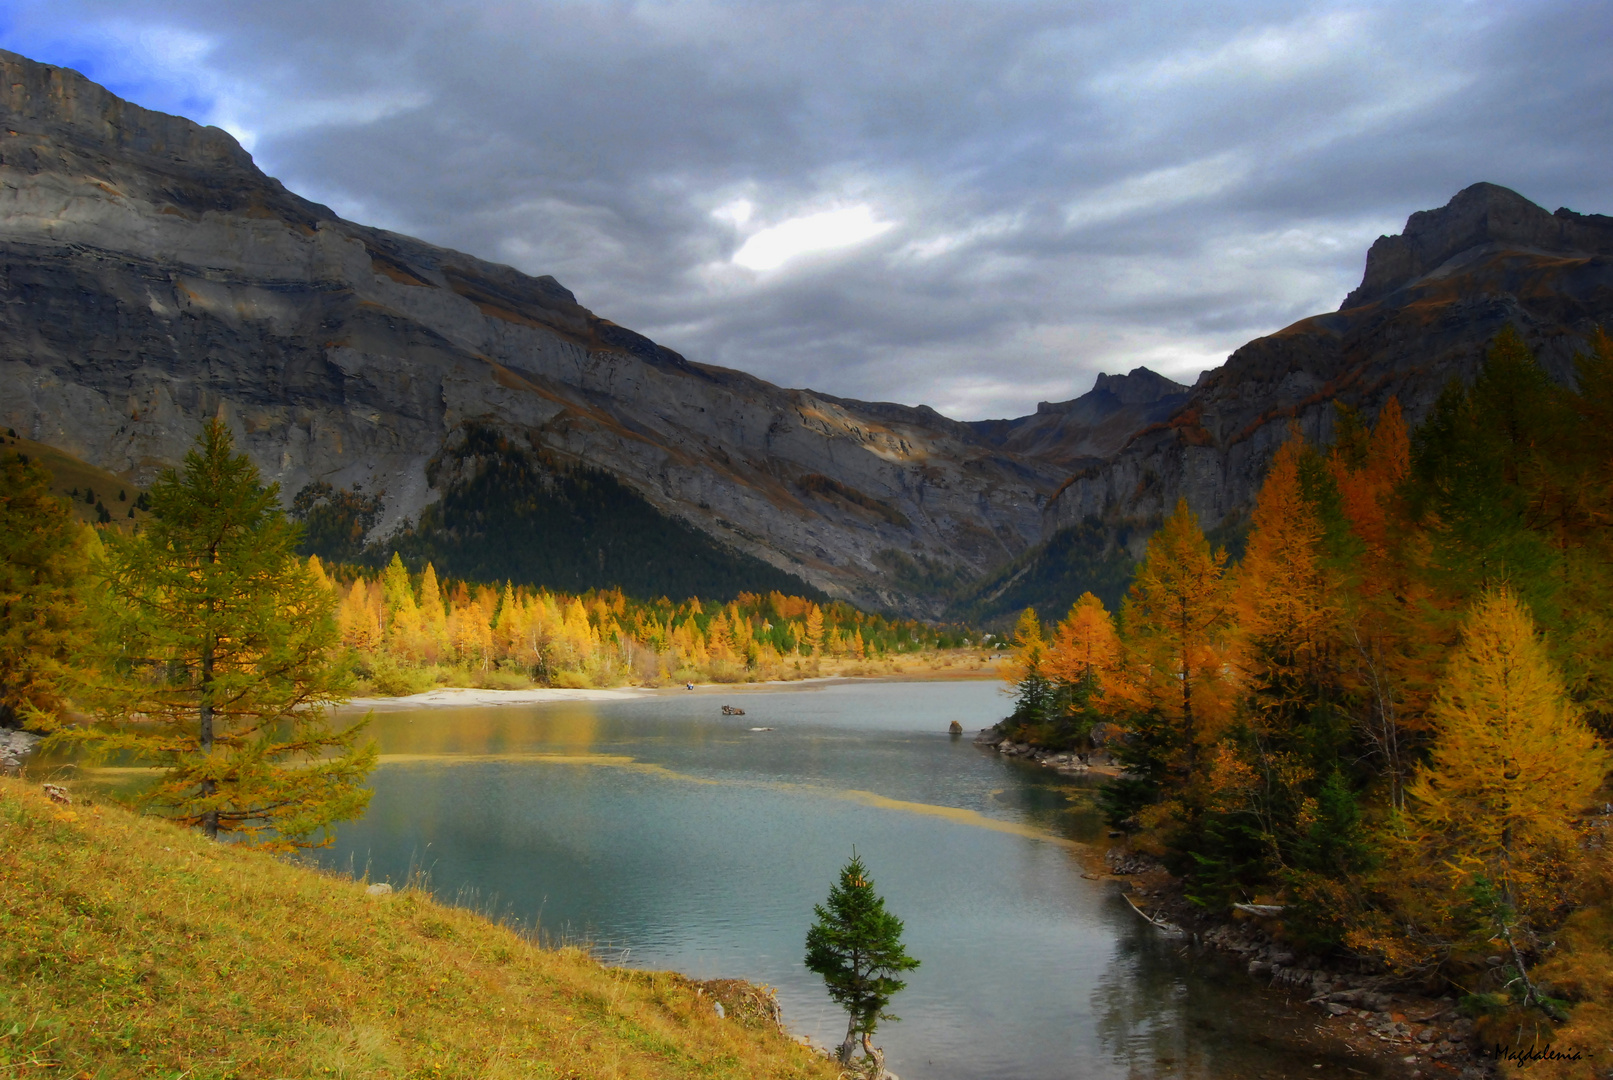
column 974, row 205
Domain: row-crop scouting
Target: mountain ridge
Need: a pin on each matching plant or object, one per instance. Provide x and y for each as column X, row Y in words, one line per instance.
column 151, row 276
column 1431, row 301
column 155, row 277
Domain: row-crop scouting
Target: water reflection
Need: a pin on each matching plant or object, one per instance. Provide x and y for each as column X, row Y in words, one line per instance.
column 1167, row 1009
column 685, row 840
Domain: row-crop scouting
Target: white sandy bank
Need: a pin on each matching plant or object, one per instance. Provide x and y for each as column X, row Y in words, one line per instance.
column 465, row 695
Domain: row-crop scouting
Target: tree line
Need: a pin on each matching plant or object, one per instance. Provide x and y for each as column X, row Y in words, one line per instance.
column 407, row 630
column 199, row 640
column 1390, row 716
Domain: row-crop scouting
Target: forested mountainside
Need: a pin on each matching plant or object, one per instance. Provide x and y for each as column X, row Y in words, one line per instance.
column 152, row 277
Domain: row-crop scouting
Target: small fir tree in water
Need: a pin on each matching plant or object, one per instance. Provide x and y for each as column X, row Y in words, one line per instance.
column 214, row 659
column 856, row 945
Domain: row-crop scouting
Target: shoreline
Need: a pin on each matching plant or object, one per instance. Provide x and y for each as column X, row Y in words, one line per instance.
column 473, row 696
column 1408, row 1031
column 461, row 696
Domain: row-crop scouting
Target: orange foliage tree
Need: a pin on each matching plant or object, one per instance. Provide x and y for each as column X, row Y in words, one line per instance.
column 1176, row 616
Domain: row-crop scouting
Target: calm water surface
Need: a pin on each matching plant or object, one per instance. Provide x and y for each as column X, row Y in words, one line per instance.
column 670, row 836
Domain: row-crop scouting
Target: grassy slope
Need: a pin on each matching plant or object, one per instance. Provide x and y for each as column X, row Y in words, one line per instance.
column 129, row 947
column 68, row 473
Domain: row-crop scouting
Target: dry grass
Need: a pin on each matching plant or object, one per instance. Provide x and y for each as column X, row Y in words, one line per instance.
column 129, row 947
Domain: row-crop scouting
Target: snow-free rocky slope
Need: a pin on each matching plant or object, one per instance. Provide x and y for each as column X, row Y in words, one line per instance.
column 151, row 276
column 1430, row 302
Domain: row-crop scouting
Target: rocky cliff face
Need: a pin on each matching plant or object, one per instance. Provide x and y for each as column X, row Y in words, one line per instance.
column 1095, row 426
column 151, row 276
column 1430, row 302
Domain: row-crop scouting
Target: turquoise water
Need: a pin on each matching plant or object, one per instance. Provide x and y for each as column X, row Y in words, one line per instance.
column 666, row 835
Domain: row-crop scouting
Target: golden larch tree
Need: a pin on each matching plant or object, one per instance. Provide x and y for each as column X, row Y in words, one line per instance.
column 1085, row 649
column 814, row 629
column 1176, row 617
column 1027, row 662
column 1512, row 766
column 214, row 659
column 1284, row 600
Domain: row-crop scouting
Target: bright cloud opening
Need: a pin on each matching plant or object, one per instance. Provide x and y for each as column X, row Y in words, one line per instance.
column 826, row 231
column 736, row 213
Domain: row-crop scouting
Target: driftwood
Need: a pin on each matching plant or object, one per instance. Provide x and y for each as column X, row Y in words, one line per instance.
column 1161, row 925
column 1260, row 911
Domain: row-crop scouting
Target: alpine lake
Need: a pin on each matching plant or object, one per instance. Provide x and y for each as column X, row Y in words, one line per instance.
column 660, row 833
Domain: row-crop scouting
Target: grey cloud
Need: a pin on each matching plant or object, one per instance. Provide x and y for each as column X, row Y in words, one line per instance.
column 1073, row 187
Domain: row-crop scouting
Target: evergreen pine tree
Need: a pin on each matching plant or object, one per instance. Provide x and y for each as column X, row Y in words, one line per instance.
column 856, row 945
column 213, row 660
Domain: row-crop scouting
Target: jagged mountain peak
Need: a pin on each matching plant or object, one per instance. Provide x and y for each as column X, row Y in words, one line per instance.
column 1093, row 426
column 1433, row 299
column 1476, row 216
column 1139, row 386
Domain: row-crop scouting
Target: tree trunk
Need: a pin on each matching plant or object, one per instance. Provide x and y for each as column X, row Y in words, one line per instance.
column 876, row 1056
column 850, row 1043
column 205, row 735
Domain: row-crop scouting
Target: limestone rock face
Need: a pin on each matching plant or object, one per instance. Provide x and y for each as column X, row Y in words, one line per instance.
column 1483, row 216
column 154, row 277
column 1432, row 300
column 151, row 276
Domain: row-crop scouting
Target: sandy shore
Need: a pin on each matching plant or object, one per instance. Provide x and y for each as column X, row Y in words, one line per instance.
column 465, row 696
column 460, row 696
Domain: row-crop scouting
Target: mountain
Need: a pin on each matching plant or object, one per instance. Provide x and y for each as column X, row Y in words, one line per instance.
column 152, row 276
column 1092, row 427
column 1430, row 302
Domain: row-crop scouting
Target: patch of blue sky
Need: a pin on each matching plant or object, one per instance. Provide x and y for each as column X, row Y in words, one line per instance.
column 158, row 67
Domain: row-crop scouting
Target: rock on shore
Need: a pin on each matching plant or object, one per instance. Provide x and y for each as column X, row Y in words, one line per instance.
column 1097, row 757
column 15, row 746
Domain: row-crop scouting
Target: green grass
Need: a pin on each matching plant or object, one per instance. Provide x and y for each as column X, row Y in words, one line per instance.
column 130, row 947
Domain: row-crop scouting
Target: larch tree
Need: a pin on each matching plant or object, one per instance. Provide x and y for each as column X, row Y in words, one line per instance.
column 433, row 615
column 214, row 661
column 402, row 632
column 1270, row 778
column 813, row 635
column 1490, row 816
column 1391, row 658
column 43, row 555
column 1085, row 647
column 1176, row 618
column 1284, row 599
column 1033, row 693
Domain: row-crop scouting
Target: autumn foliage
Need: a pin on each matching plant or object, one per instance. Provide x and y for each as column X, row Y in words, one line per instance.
column 407, row 632
column 1388, row 716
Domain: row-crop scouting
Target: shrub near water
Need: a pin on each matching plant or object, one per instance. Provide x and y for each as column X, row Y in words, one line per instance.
column 130, row 947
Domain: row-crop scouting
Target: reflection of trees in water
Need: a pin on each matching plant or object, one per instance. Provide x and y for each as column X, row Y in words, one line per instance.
column 1165, row 1013
column 1141, row 1006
